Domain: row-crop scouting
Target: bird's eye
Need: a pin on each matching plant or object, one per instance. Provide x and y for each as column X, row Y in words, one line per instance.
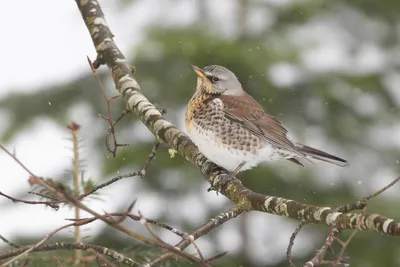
column 214, row 79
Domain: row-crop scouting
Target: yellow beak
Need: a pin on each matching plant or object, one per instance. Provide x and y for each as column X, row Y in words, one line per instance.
column 198, row 71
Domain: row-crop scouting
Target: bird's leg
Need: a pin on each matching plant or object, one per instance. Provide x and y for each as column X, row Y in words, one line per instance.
column 225, row 179
column 238, row 168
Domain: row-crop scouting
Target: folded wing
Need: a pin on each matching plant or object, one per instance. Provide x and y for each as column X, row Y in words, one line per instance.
column 249, row 114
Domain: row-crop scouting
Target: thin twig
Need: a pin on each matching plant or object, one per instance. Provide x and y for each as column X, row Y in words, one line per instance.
column 291, row 243
column 33, row 247
column 107, row 183
column 123, row 229
column 157, row 223
column 361, row 204
column 14, row 157
column 112, row 254
column 341, row 259
column 202, row 230
column 319, row 256
column 126, row 111
column 43, row 196
column 102, row 257
column 191, row 239
column 141, row 172
column 149, row 159
column 382, row 190
column 144, row 222
column 16, row 200
column 216, row 257
column 57, row 261
column 108, row 118
column 127, row 212
column 38, row 244
column 8, row 242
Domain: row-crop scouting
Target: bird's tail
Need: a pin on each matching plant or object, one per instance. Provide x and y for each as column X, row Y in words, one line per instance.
column 314, row 153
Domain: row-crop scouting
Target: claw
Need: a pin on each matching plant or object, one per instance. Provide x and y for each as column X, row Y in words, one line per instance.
column 221, row 182
column 224, row 179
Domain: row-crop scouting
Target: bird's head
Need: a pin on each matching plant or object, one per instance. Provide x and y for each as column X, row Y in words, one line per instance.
column 217, row 80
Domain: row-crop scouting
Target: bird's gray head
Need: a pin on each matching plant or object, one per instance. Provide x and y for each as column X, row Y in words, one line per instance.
column 215, row 79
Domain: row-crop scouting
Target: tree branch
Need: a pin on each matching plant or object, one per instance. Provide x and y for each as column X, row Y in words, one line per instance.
column 199, row 232
column 166, row 132
column 112, row 254
column 117, row 225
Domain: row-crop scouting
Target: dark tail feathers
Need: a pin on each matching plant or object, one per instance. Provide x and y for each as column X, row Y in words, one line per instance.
column 314, row 153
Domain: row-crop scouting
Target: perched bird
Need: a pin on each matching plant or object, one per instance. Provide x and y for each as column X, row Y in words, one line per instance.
column 231, row 129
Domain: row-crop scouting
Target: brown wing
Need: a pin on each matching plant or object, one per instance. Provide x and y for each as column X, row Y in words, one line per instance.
column 246, row 111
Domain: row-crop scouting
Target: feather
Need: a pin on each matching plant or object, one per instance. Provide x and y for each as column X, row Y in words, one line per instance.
column 249, row 114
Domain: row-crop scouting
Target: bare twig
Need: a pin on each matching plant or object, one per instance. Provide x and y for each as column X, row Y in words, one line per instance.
column 44, row 196
column 9, row 242
column 149, row 159
column 127, row 212
column 102, row 257
column 361, row 204
column 202, row 230
column 112, row 254
column 144, row 222
column 341, row 258
column 57, row 261
column 123, row 229
column 191, row 239
column 108, row 118
column 216, row 257
column 140, row 173
column 150, row 221
column 107, row 183
column 377, row 193
column 38, row 244
column 319, row 256
column 25, row 250
column 16, row 200
column 291, row 243
column 14, row 157
column 126, row 111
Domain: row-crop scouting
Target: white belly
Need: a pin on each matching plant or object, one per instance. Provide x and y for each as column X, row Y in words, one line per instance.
column 225, row 156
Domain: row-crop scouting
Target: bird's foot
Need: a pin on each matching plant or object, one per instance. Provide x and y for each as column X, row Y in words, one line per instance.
column 221, row 182
column 224, row 179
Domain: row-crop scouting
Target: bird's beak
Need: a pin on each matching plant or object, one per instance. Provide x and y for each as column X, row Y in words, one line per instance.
column 198, row 71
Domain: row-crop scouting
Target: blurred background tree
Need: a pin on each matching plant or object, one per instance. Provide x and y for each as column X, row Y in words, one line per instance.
column 328, row 70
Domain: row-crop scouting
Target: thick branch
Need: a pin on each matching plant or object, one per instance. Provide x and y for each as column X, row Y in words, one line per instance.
column 164, row 131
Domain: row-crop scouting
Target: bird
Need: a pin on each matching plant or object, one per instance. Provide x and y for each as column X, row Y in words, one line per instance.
column 233, row 130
